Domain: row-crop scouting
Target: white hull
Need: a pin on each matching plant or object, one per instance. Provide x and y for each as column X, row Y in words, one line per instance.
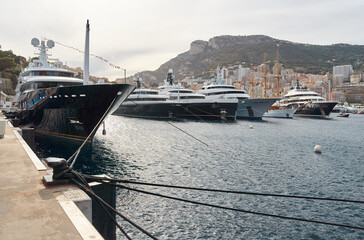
column 254, row 108
column 280, row 113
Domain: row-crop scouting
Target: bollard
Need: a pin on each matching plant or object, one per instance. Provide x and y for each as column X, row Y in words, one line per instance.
column 15, row 122
column 28, row 136
column 100, row 219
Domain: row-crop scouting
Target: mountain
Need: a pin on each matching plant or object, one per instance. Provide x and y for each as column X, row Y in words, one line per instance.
column 204, row 56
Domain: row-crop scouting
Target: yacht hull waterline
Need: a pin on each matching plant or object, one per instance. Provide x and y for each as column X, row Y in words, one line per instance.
column 71, row 112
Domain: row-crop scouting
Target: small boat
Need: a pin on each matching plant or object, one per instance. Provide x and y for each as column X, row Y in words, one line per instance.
column 277, row 111
column 342, row 114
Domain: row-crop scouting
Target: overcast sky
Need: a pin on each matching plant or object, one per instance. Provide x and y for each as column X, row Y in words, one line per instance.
column 141, row 35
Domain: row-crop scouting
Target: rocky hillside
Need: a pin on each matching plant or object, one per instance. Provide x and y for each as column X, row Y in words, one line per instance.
column 204, row 56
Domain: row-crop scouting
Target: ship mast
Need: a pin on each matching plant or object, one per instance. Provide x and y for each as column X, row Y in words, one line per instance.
column 265, row 78
column 252, row 83
column 86, row 71
column 279, row 94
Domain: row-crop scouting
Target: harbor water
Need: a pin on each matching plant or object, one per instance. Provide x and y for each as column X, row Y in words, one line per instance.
column 268, row 156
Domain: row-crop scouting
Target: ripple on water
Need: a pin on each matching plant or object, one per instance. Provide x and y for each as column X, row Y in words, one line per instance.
column 276, row 156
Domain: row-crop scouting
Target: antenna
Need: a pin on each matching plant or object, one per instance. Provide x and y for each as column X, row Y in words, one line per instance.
column 35, row 42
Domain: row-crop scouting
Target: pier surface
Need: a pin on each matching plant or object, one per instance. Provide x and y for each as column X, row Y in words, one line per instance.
column 29, row 210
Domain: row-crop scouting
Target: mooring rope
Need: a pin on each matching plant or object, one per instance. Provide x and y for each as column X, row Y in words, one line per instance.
column 236, row 209
column 75, row 154
column 84, row 186
column 187, row 133
column 191, row 112
column 96, row 178
column 180, row 129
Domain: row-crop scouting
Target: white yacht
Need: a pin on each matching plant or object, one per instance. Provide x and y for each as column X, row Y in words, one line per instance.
column 309, row 103
column 277, row 111
column 247, row 107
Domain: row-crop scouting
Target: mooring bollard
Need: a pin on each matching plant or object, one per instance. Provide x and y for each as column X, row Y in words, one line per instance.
column 15, row 122
column 101, row 221
column 28, row 135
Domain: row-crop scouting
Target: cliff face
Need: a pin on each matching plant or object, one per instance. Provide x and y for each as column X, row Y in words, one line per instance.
column 204, row 56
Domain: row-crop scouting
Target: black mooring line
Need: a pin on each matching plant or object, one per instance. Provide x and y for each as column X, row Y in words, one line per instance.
column 238, row 210
column 225, row 191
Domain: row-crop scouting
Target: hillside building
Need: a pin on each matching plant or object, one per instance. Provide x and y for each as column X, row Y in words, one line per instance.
column 243, row 72
column 344, row 70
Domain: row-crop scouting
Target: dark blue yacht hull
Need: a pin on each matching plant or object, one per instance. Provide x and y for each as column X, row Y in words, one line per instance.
column 178, row 110
column 316, row 110
column 71, row 112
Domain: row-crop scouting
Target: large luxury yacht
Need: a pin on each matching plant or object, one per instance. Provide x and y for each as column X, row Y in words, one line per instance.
column 308, row 103
column 247, row 107
column 55, row 103
column 172, row 101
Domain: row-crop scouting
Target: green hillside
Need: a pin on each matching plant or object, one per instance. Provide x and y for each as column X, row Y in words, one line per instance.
column 10, row 67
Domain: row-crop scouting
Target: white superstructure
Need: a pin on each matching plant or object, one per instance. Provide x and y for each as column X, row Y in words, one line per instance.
column 42, row 74
column 308, row 103
column 247, row 108
column 298, row 96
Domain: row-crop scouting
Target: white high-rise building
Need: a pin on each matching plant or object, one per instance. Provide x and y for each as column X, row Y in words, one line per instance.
column 243, row 72
column 344, row 70
column 224, row 73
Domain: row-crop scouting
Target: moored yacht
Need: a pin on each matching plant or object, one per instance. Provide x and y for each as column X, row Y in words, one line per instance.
column 309, row 103
column 55, row 103
column 277, row 111
column 146, row 103
column 172, row 101
column 247, row 107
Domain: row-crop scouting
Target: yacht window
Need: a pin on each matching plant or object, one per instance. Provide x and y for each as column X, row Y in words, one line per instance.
column 226, row 92
column 51, row 73
column 187, row 97
column 181, row 91
column 219, row 86
column 144, row 99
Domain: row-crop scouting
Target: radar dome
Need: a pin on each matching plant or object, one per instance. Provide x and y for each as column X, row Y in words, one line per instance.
column 50, row 43
column 170, row 71
column 35, row 42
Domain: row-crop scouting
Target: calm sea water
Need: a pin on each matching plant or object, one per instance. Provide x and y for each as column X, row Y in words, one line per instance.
column 274, row 156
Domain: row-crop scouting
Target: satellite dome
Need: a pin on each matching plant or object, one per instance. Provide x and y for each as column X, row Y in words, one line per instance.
column 50, row 43
column 35, row 42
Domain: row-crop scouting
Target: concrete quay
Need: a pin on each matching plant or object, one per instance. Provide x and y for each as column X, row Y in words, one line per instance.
column 28, row 209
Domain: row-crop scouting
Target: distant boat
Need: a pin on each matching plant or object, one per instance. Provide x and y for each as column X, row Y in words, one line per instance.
column 309, row 103
column 342, row 114
column 55, row 103
column 277, row 111
column 248, row 108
